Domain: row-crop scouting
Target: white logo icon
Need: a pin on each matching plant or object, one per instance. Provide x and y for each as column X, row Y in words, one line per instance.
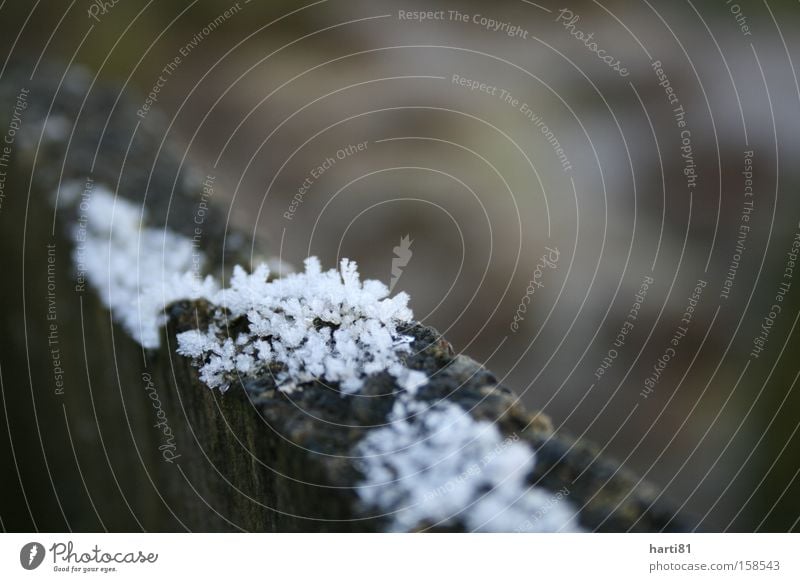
column 402, row 255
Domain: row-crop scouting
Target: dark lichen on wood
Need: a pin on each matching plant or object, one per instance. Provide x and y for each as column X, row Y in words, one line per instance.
column 313, row 431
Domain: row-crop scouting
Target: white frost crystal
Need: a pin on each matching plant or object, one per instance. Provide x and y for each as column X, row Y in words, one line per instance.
column 326, row 325
column 136, row 271
column 436, row 465
column 315, row 325
column 431, row 464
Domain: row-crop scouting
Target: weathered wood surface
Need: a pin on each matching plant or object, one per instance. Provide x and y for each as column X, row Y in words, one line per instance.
column 92, row 456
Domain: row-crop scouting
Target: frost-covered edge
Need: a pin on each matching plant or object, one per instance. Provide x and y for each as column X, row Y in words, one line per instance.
column 433, row 465
column 430, row 465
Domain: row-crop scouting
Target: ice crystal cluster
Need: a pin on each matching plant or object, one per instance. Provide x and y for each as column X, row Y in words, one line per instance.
column 326, row 325
column 436, row 465
column 431, row 464
column 136, row 271
column 312, row 325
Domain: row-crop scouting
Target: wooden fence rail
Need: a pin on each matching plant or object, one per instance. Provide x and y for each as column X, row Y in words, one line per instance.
column 103, row 433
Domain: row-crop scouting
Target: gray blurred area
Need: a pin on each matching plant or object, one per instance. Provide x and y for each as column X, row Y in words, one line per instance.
column 490, row 136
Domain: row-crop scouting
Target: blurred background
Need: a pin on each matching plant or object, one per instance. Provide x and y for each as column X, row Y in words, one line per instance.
column 609, row 137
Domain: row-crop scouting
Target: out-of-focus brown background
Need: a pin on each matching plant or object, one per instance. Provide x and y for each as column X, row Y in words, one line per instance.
column 267, row 95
